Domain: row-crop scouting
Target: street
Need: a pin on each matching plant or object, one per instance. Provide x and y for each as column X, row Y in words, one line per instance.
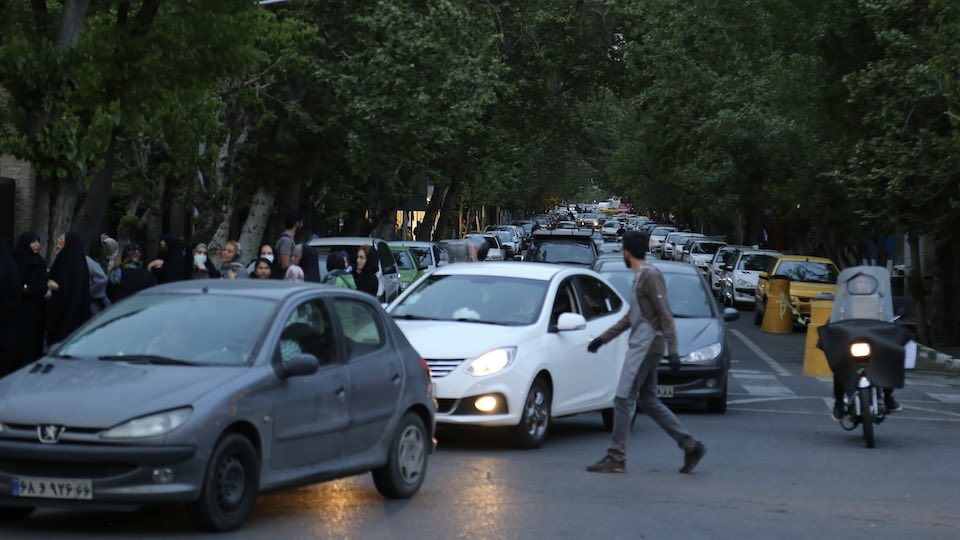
column 777, row 467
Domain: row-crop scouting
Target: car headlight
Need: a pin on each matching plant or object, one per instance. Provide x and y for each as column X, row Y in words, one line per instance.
column 491, row 362
column 744, row 283
column 150, row 426
column 706, row 354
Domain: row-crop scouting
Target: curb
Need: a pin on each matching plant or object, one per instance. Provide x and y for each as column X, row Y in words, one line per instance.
column 928, row 358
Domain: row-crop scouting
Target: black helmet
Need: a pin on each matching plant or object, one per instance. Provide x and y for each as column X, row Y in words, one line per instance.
column 481, row 245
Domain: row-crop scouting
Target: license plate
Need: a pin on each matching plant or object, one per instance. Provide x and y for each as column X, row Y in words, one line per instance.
column 52, row 488
column 665, row 391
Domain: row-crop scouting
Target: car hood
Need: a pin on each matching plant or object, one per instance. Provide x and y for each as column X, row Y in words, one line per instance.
column 453, row 339
column 809, row 290
column 98, row 394
column 693, row 334
column 747, row 275
column 702, row 257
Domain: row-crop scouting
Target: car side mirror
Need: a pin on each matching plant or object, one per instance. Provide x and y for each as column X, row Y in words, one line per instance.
column 299, row 366
column 730, row 314
column 571, row 321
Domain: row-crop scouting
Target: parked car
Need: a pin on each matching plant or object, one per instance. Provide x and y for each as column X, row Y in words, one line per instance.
column 612, row 229
column 809, row 276
column 700, row 254
column 507, row 343
column 428, row 253
column 510, row 238
column 210, row 392
column 387, row 273
column 666, row 248
column 610, row 247
column 657, row 235
column 676, row 253
column 563, row 247
column 408, row 265
column 723, row 257
column 701, row 335
column 739, row 282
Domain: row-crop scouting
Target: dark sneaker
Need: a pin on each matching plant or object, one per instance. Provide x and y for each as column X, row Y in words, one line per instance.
column 837, row 411
column 608, row 465
column 693, row 456
column 892, row 405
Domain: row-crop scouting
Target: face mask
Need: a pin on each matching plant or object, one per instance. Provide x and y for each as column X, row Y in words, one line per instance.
column 200, row 258
column 268, row 257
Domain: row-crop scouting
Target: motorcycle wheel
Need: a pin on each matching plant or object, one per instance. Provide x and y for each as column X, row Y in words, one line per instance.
column 867, row 414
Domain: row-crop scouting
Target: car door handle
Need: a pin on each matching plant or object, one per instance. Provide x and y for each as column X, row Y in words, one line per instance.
column 340, row 391
column 395, row 378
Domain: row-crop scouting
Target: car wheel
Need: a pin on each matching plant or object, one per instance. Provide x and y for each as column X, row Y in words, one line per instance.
column 718, row 404
column 15, row 513
column 406, row 465
column 230, row 486
column 535, row 421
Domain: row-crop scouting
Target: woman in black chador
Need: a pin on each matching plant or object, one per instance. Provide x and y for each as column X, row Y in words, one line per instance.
column 33, row 273
column 10, row 285
column 69, row 305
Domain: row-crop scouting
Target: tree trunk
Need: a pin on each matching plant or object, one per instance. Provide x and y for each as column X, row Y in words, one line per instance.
column 251, row 234
column 916, row 290
column 63, row 207
column 425, row 229
column 90, row 218
column 41, row 214
column 220, row 236
column 71, row 22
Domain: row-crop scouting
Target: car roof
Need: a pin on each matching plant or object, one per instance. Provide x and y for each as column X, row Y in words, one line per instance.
column 526, row 270
column 804, row 258
column 670, row 267
column 272, row 289
column 759, row 252
column 344, row 241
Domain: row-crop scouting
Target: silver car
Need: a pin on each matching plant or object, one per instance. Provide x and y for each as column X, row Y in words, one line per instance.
column 210, row 392
column 657, row 235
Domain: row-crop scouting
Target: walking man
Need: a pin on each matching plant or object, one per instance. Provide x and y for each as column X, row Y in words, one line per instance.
column 651, row 327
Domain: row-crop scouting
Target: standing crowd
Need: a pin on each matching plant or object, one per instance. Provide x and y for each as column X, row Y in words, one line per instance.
column 41, row 304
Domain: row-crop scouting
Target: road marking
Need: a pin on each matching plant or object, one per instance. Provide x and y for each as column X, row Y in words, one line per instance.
column 946, row 398
column 755, row 376
column 759, row 352
column 761, row 399
column 768, row 390
column 810, row 413
column 924, row 409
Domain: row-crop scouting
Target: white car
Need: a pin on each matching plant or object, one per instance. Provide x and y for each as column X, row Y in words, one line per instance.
column 611, row 229
column 721, row 259
column 657, row 236
column 739, row 282
column 507, row 343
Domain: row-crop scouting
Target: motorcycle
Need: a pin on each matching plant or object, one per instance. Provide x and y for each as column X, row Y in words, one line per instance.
column 865, row 347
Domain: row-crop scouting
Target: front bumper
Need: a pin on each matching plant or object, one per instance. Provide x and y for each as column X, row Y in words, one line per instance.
column 693, row 383
column 120, row 475
column 457, row 392
column 745, row 295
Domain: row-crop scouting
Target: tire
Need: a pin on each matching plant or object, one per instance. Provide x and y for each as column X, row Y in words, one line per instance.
column 718, row 405
column 406, row 465
column 607, row 416
column 867, row 415
column 9, row 514
column 535, row 421
column 230, row 486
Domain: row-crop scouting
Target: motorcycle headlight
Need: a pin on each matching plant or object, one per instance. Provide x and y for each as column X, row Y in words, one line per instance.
column 744, row 283
column 706, row 354
column 150, row 426
column 491, row 362
column 860, row 349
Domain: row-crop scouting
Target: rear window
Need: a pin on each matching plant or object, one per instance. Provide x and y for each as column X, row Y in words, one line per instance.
column 562, row 253
column 706, row 247
column 662, row 231
column 756, row 263
column 808, row 271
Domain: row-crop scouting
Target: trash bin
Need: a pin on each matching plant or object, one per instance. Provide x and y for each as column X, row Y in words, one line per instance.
column 814, row 361
column 778, row 314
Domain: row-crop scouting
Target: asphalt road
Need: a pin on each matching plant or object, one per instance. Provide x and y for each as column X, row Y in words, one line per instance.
column 777, row 467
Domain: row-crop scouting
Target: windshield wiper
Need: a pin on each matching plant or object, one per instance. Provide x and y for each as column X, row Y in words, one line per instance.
column 146, row 358
column 409, row 317
column 481, row 321
column 65, row 356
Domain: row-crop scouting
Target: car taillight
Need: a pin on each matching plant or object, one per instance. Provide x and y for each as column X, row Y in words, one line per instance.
column 426, row 367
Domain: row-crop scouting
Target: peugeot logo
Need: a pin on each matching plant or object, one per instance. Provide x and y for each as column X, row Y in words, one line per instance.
column 50, row 434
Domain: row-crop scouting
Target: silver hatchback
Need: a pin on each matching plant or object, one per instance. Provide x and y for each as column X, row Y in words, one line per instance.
column 210, row 392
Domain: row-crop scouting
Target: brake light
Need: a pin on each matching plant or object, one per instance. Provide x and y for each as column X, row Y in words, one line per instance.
column 425, row 367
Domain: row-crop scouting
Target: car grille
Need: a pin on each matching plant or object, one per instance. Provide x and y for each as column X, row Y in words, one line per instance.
column 64, row 469
column 443, row 367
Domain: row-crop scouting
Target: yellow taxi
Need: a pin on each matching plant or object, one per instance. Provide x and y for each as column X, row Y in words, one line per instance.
column 809, row 276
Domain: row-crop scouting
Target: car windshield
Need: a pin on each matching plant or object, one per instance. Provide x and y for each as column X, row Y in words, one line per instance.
column 706, row 247
column 505, row 237
column 562, row 252
column 473, row 298
column 755, row 262
column 808, row 271
column 685, row 292
column 423, row 255
column 192, row 328
column 662, row 231
column 324, row 251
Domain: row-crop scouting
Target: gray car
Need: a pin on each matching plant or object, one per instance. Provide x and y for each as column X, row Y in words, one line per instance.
column 210, row 392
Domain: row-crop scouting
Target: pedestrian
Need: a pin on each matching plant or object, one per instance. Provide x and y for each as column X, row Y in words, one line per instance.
column 171, row 265
column 262, row 268
column 294, row 273
column 230, row 266
column 11, row 287
column 131, row 277
column 266, row 253
column 98, row 286
column 651, row 327
column 32, row 316
column 309, row 262
column 69, row 284
column 111, row 253
column 337, row 274
column 365, row 274
column 283, row 247
column 201, row 267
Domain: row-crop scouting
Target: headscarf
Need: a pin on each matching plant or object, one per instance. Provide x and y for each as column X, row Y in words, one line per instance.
column 130, row 259
column 310, row 264
column 294, row 273
column 256, row 262
column 111, row 252
column 69, row 306
column 367, row 280
column 173, row 261
column 27, row 260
